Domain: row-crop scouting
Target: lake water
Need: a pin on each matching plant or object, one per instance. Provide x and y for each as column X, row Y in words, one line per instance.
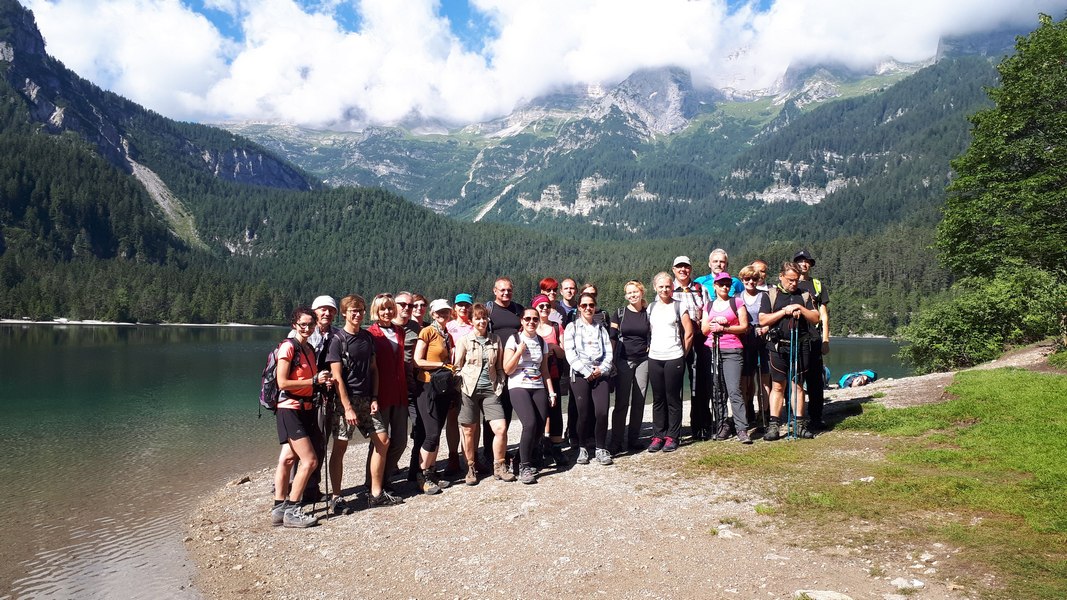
column 113, row 433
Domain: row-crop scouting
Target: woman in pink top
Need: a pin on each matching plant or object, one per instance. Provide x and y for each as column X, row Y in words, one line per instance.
column 725, row 324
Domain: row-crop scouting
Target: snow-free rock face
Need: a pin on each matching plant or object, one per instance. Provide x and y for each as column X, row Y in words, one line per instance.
column 62, row 102
column 661, row 100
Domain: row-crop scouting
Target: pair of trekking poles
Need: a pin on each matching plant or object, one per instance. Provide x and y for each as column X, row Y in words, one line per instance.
column 790, row 396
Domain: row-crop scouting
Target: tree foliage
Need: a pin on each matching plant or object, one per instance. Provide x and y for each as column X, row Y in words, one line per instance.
column 1010, row 196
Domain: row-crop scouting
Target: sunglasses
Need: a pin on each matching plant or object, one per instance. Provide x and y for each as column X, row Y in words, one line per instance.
column 747, row 279
column 403, row 304
column 543, row 306
column 587, row 305
column 383, row 296
column 530, row 319
column 419, row 305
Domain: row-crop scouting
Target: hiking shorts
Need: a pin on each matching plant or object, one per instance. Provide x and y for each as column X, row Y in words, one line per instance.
column 345, row 432
column 780, row 364
column 296, row 424
column 481, row 402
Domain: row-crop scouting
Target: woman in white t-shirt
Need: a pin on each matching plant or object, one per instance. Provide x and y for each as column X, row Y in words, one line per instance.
column 526, row 364
column 671, row 338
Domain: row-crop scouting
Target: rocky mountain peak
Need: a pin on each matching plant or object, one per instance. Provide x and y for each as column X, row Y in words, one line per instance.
column 663, row 99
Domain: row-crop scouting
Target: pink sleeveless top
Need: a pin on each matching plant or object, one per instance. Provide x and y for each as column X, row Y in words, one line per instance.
column 727, row 341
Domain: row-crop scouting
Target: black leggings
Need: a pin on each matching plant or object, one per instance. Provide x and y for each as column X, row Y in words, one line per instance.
column 532, row 407
column 593, row 401
column 665, row 377
column 433, row 409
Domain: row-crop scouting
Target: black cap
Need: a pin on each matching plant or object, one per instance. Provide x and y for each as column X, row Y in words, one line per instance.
column 804, row 254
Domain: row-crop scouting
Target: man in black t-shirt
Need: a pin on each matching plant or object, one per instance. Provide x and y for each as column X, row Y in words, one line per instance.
column 505, row 317
column 820, row 342
column 790, row 313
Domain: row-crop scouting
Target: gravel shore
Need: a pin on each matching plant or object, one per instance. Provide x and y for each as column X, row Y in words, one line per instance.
column 646, row 527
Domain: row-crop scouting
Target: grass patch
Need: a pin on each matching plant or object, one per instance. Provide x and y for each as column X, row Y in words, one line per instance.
column 1058, row 358
column 995, row 457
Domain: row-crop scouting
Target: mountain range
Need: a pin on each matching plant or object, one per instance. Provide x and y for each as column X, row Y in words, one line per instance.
column 109, row 210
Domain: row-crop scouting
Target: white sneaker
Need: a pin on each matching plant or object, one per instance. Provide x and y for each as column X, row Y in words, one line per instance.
column 295, row 517
column 603, row 456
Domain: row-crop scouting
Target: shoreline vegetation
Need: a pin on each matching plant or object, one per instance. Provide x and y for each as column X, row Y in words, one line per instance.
column 930, row 486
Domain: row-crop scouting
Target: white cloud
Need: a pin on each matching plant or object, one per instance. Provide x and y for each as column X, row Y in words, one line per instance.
column 295, row 63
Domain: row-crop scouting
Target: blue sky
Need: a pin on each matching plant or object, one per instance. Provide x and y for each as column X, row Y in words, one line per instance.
column 347, row 64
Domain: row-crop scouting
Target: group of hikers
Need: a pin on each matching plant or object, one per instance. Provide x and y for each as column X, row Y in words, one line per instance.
column 473, row 366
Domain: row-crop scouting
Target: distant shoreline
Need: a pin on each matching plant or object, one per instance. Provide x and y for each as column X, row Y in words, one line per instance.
column 93, row 322
column 63, row 321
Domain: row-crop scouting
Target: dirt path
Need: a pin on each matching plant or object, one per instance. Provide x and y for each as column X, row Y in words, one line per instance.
column 646, row 527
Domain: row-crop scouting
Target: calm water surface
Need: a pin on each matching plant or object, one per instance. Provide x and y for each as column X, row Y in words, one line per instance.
column 113, row 433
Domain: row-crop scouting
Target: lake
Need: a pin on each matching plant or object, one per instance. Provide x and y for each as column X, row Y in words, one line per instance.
column 115, row 432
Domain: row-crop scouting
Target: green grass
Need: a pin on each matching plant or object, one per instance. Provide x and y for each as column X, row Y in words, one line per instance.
column 995, row 457
column 1058, row 358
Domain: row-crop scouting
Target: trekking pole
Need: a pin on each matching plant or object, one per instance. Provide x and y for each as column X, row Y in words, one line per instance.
column 761, row 395
column 794, row 353
column 716, row 391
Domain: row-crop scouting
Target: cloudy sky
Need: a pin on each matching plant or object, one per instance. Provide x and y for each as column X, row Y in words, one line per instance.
column 348, row 63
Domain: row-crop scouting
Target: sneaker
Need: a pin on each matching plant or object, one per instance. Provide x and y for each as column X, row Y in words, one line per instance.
column 383, row 499
column 527, row 474
column 656, row 445
column 603, row 456
column 742, row 436
column 472, row 475
column 426, row 485
column 725, row 432
column 583, row 456
column 338, row 506
column 444, row 484
column 670, row 445
column 277, row 514
column 501, row 472
column 295, row 517
column 773, row 432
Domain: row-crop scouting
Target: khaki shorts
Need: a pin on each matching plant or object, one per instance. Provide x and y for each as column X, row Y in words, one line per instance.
column 345, row 432
column 481, row 403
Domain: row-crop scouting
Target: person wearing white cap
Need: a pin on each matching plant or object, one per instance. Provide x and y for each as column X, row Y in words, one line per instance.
column 693, row 297
column 433, row 357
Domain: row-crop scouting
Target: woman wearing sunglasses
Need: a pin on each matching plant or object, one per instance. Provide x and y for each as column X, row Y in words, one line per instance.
column 526, row 363
column 552, row 333
column 587, row 344
column 725, row 324
column 756, row 364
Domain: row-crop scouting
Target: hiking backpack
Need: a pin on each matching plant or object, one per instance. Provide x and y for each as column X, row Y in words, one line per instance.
column 269, row 393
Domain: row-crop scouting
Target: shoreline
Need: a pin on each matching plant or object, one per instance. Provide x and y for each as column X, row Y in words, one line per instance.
column 96, row 323
column 585, row 529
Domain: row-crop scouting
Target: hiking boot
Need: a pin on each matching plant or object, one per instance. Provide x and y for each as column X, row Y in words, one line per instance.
column 802, row 430
column 338, row 506
column 670, row 445
column 656, row 445
column 773, row 432
column 295, row 517
column 383, row 499
column 501, row 472
column 526, row 474
column 603, row 456
column 426, row 485
column 742, row 436
column 583, row 456
column 472, row 475
column 434, row 476
column 725, row 432
column 277, row 514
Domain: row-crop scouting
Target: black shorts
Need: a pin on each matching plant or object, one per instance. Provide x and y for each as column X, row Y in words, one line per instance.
column 780, row 364
column 295, row 424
